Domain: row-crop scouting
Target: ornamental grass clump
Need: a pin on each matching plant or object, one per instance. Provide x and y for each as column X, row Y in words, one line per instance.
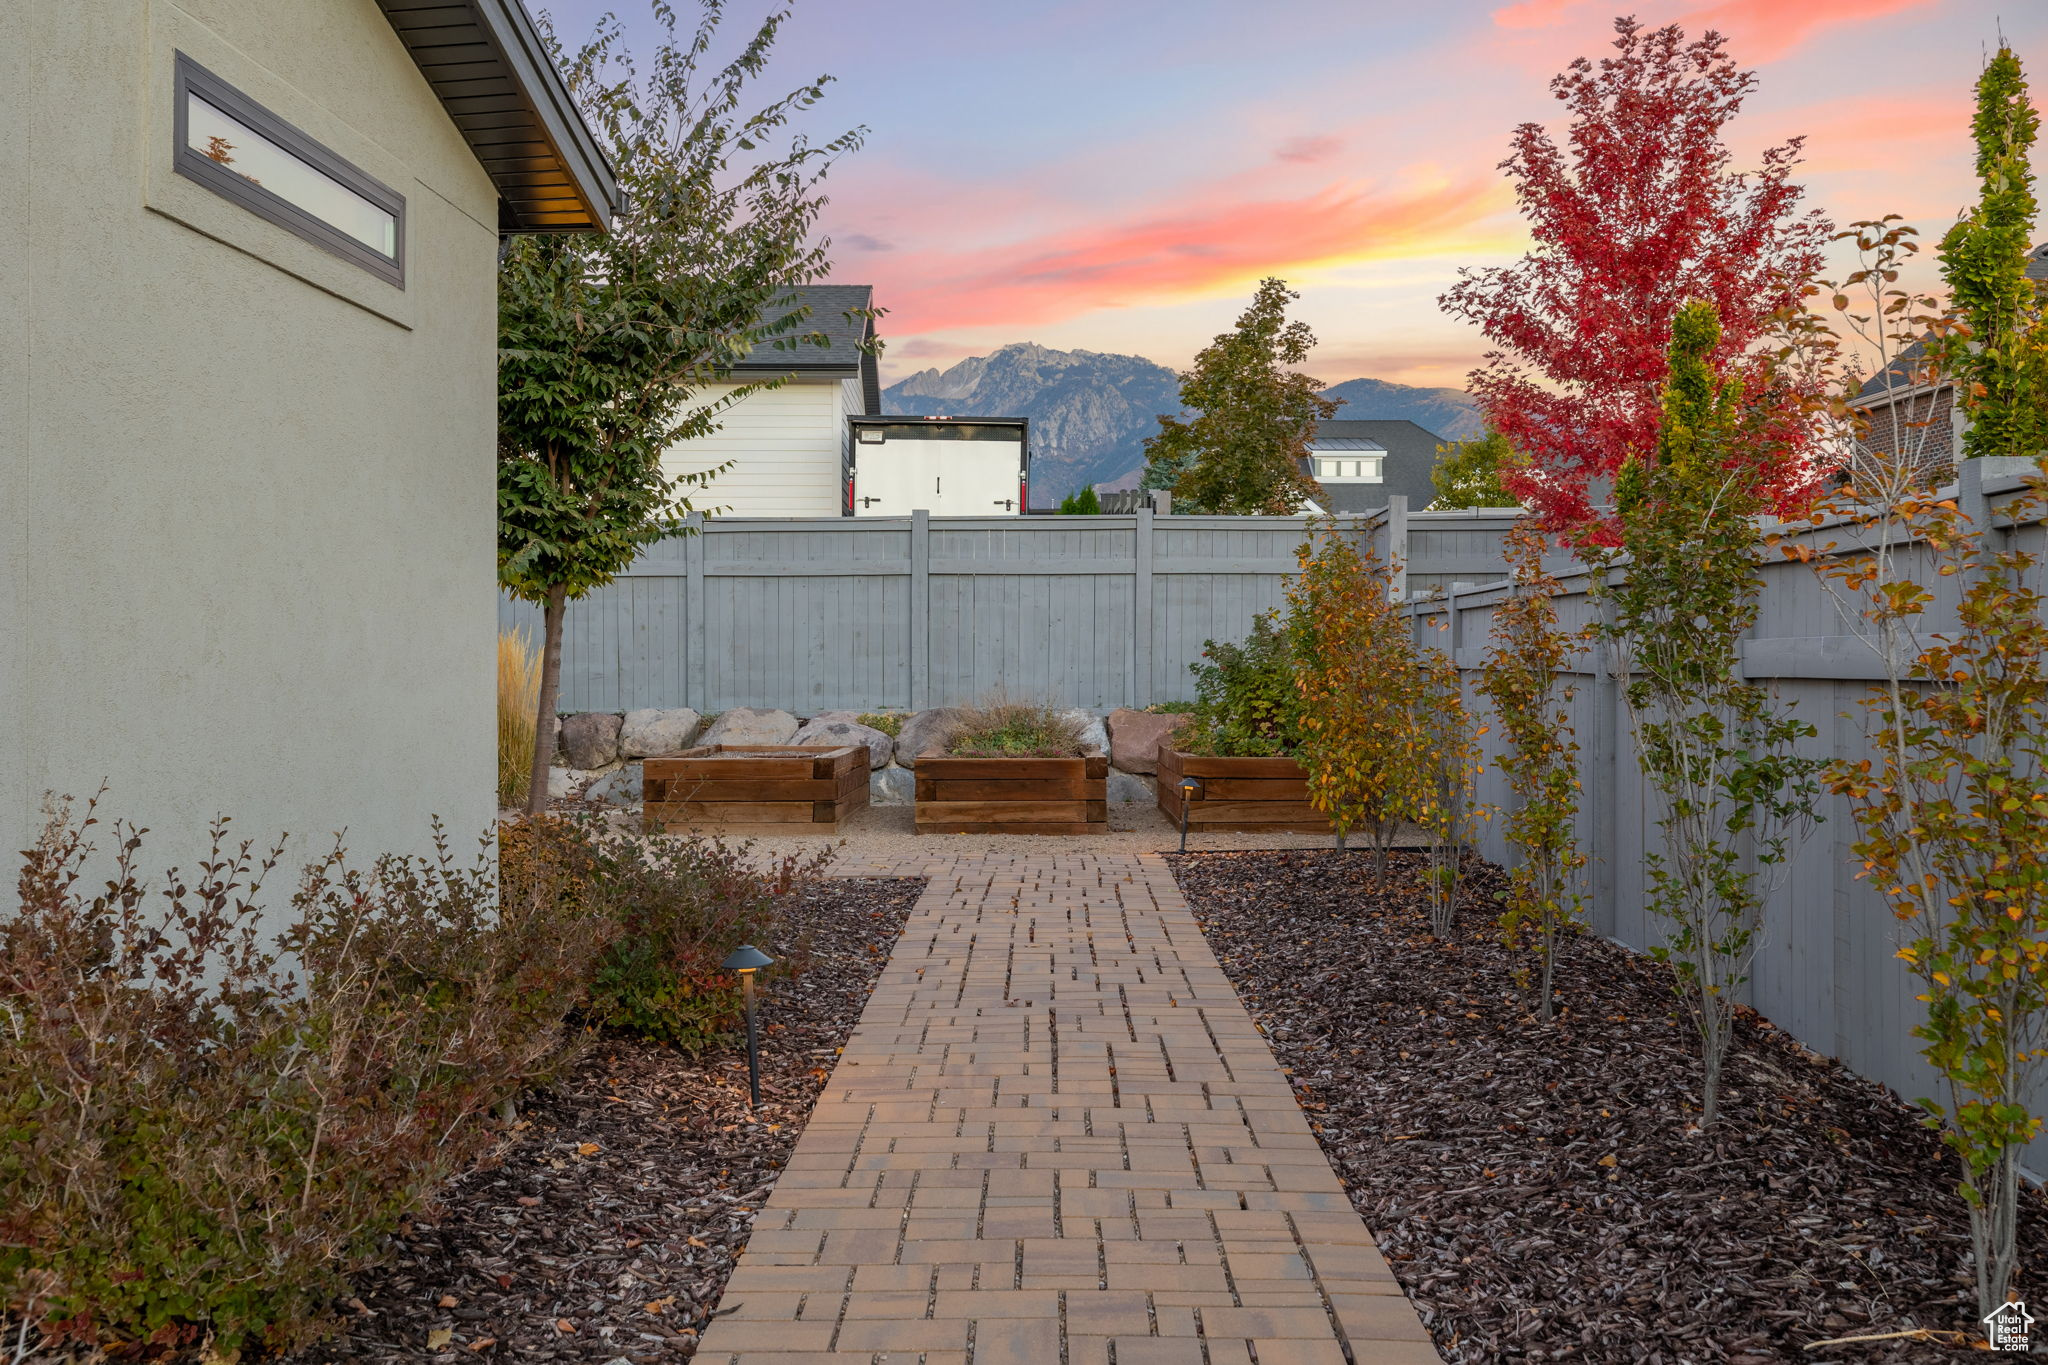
column 518, row 713
column 1246, row 702
column 203, row 1129
column 1014, row 729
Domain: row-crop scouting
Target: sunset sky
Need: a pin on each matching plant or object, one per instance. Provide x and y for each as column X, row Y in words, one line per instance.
column 1118, row 174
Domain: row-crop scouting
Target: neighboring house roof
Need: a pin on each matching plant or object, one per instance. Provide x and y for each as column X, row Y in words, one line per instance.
column 841, row 313
column 487, row 63
column 1411, row 454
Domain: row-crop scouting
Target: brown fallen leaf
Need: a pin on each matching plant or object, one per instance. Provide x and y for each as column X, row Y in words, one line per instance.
column 446, row 1301
column 527, row 1201
column 661, row 1305
column 439, row 1337
column 588, row 1149
column 482, row 1342
column 564, row 1325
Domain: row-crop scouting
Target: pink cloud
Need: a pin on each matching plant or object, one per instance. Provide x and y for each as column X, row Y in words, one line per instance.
column 1757, row 30
column 1116, row 264
column 1307, row 149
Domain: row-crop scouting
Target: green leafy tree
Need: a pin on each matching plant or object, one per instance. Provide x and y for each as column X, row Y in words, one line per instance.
column 1539, row 758
column 1732, row 796
column 606, row 341
column 1082, row 504
column 1467, row 473
column 1244, row 449
column 1997, row 353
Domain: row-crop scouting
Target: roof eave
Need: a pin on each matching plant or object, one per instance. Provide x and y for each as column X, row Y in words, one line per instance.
column 523, row 56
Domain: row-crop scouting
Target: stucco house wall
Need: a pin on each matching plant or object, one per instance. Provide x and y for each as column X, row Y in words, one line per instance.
column 248, row 486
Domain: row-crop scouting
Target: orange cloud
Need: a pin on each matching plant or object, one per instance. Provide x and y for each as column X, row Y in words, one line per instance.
column 1758, row 30
column 1120, row 264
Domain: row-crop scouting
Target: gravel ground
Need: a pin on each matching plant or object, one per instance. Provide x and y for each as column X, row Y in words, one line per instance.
column 883, row 841
column 607, row 1227
column 1538, row 1191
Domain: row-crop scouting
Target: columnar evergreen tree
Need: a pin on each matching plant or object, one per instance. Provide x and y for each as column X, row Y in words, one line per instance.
column 1997, row 354
column 1244, row 449
column 605, row 341
column 1639, row 211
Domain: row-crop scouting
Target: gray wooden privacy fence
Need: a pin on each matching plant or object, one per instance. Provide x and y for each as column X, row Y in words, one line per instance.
column 912, row 612
column 1826, row 971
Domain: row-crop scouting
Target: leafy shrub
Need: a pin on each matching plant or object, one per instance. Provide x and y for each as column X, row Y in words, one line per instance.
column 199, row 1141
column 1011, row 729
column 518, row 712
column 679, row 909
column 889, row 723
column 1247, row 704
column 1083, row 504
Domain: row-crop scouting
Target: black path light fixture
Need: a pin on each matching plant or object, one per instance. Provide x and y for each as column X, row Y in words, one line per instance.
column 746, row 960
column 1190, row 787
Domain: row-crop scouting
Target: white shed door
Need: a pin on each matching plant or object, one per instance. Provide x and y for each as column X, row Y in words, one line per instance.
column 945, row 478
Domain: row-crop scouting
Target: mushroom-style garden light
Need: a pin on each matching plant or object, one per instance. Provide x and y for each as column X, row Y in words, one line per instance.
column 746, row 960
column 1188, row 787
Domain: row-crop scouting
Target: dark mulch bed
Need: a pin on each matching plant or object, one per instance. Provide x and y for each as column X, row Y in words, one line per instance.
column 607, row 1230
column 1537, row 1190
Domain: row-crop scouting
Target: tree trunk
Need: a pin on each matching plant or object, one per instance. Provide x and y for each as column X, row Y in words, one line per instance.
column 552, row 612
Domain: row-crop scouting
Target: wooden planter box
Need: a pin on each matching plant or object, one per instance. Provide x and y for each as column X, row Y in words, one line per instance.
column 1012, row 795
column 721, row 785
column 1240, row 793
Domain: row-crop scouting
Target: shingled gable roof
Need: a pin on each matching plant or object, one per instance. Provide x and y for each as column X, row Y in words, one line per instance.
column 1903, row 374
column 841, row 313
column 491, row 69
column 1411, row 454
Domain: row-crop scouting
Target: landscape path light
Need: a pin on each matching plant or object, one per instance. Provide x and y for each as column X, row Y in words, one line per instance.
column 746, row 960
column 1189, row 786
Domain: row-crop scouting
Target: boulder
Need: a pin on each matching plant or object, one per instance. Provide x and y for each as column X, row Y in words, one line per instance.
column 650, row 733
column 892, row 787
column 827, row 717
column 1094, row 739
column 591, row 739
column 1135, row 736
column 566, row 782
column 822, row 731
column 1130, row 789
column 619, row 787
column 750, row 725
column 925, row 730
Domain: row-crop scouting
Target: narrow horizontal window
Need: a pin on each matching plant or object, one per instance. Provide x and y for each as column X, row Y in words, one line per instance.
column 242, row 151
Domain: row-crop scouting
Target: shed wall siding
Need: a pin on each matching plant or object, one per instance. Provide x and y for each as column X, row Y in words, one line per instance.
column 784, row 446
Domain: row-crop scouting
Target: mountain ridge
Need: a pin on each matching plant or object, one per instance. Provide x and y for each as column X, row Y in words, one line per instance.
column 1091, row 411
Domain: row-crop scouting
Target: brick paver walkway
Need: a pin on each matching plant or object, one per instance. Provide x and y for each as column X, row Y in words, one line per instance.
column 1057, row 1139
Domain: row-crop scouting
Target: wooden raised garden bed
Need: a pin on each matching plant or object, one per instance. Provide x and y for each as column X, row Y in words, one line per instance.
column 1239, row 793
column 1012, row 795
column 721, row 785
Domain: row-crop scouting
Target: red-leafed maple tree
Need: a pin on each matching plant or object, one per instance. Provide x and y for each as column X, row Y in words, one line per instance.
column 1639, row 212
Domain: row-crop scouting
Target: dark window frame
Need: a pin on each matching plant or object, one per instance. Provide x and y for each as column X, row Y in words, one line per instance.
column 194, row 79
